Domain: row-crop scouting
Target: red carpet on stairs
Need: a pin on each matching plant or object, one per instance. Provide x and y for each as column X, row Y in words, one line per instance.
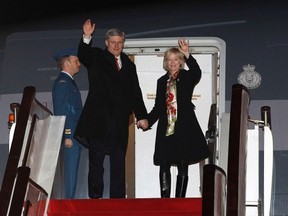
column 126, row 207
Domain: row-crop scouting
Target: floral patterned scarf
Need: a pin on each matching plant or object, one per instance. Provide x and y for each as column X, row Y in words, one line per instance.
column 171, row 104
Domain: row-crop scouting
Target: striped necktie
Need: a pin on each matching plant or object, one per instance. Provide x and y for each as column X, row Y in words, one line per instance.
column 117, row 64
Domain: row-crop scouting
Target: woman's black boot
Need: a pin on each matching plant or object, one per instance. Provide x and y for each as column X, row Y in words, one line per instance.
column 181, row 186
column 165, row 184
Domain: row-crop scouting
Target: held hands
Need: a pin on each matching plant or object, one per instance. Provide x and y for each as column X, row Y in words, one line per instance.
column 88, row 28
column 184, row 46
column 143, row 124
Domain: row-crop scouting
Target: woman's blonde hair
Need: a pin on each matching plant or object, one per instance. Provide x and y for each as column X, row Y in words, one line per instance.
column 178, row 53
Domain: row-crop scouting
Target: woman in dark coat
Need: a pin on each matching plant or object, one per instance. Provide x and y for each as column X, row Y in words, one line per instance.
column 179, row 138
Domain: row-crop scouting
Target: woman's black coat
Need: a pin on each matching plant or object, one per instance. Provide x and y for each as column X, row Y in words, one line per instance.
column 188, row 142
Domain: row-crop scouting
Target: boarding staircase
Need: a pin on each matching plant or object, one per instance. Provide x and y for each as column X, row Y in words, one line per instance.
column 33, row 140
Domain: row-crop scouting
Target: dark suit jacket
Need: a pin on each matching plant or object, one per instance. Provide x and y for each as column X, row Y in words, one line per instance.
column 67, row 101
column 113, row 95
column 188, row 142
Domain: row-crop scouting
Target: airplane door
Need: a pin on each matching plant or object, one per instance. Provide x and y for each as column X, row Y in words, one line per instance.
column 150, row 67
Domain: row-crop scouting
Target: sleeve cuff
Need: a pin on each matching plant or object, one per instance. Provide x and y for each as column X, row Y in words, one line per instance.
column 86, row 40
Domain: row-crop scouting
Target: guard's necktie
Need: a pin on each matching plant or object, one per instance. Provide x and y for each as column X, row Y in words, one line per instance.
column 73, row 81
column 117, row 64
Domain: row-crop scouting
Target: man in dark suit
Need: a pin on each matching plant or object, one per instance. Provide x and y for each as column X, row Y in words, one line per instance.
column 114, row 94
column 67, row 101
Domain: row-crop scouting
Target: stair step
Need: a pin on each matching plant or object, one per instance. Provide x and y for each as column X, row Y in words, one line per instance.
column 126, row 207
